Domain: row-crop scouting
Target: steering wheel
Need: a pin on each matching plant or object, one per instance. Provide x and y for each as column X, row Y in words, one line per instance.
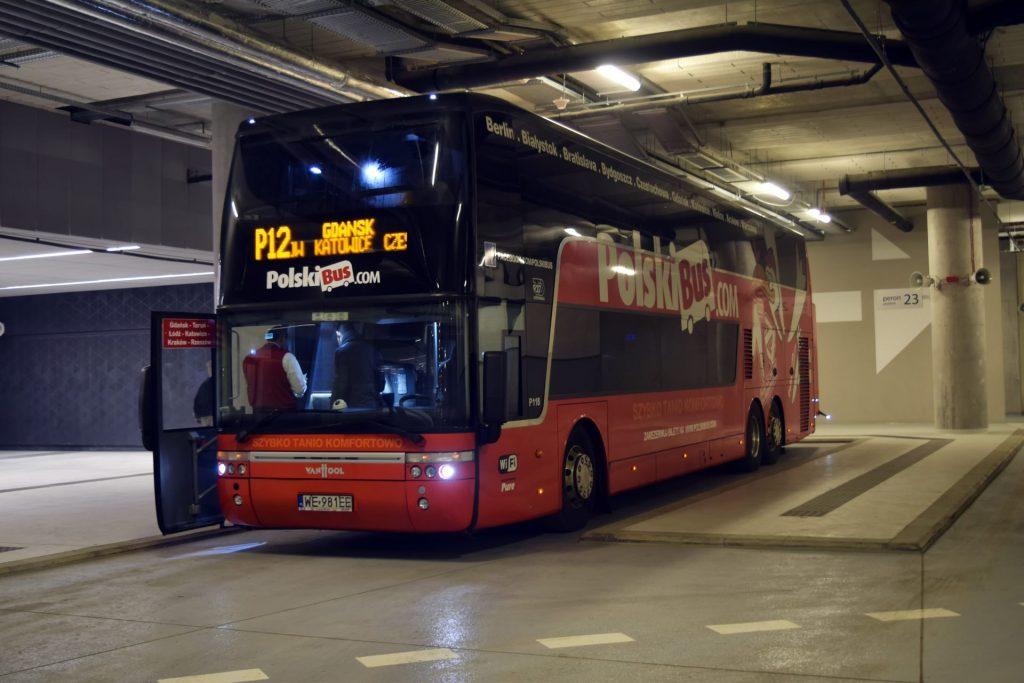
column 408, row 397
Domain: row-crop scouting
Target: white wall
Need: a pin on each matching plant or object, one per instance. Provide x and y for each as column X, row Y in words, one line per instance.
column 878, row 368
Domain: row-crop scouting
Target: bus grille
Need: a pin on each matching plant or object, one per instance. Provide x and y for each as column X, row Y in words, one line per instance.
column 748, row 354
column 805, row 384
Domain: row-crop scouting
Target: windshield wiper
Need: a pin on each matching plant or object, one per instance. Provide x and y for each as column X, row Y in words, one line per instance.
column 244, row 434
column 374, row 419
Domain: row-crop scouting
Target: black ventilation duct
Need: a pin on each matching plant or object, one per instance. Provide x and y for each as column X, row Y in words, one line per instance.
column 938, row 34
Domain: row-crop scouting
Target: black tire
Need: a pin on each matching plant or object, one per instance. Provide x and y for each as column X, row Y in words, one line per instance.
column 775, row 435
column 580, row 484
column 754, row 441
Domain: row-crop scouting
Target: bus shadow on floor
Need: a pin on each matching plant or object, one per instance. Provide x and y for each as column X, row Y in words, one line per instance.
column 700, row 485
column 489, row 543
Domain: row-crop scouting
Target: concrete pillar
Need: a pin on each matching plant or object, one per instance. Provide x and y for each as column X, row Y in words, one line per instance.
column 1017, row 319
column 958, row 310
column 226, row 118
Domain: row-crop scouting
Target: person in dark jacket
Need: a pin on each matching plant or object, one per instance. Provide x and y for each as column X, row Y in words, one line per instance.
column 202, row 404
column 355, row 371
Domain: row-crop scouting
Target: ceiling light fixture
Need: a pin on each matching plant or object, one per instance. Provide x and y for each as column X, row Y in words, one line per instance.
column 617, row 75
column 107, row 280
column 48, row 254
column 126, row 247
column 768, row 187
column 819, row 215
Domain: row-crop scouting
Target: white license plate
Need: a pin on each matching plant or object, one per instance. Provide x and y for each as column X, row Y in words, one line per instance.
column 324, row 502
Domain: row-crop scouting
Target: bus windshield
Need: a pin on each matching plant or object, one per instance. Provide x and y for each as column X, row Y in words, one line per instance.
column 318, row 369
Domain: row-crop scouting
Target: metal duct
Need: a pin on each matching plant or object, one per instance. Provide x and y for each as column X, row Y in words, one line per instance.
column 875, row 205
column 442, row 15
column 953, row 59
column 730, row 37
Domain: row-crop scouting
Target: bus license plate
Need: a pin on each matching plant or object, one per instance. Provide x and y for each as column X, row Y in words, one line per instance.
column 324, row 502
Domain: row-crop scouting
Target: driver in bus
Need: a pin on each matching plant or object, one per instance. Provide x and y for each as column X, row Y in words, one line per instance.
column 355, row 371
column 273, row 377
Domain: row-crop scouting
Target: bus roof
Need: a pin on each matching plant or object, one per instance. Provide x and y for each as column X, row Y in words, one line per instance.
column 307, row 123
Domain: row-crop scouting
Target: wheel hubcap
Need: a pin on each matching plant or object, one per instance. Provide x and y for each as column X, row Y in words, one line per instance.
column 753, row 438
column 775, row 429
column 578, row 476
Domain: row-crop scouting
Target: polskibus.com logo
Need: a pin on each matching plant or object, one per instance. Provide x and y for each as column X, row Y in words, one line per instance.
column 340, row 274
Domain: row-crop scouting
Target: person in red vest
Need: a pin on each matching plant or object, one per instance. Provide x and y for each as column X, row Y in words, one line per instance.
column 273, row 377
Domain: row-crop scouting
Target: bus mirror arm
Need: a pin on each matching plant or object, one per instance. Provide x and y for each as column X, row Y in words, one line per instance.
column 495, row 386
column 146, row 416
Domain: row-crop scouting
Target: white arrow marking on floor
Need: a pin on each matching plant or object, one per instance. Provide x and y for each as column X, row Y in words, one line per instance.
column 242, row 676
column 753, row 627
column 913, row 614
column 580, row 641
column 412, row 657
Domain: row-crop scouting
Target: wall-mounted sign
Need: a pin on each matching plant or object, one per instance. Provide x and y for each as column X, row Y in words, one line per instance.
column 889, row 299
column 337, row 238
column 189, row 333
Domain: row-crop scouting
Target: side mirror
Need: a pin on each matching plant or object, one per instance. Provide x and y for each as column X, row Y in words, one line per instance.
column 495, row 403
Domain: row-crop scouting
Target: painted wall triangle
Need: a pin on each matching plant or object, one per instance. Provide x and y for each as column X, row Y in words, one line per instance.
column 882, row 249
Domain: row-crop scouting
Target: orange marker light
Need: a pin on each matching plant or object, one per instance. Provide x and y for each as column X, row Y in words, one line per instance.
column 540, row 492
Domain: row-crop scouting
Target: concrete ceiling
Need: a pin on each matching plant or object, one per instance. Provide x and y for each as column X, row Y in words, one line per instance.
column 805, row 141
column 28, row 268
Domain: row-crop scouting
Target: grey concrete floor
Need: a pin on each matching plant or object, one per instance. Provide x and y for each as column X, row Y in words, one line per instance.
column 303, row 606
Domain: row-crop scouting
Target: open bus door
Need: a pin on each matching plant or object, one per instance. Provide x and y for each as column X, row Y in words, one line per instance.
column 177, row 383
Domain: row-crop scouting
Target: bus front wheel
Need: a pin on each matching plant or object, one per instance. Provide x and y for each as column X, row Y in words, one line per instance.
column 755, row 441
column 580, row 479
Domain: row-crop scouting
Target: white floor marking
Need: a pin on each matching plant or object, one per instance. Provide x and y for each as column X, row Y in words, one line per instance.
column 242, row 676
column 580, row 641
column 753, row 627
column 412, row 657
column 913, row 614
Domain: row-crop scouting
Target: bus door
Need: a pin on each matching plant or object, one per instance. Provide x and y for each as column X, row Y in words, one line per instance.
column 177, row 413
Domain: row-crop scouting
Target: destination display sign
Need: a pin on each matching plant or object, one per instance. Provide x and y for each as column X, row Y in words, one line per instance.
column 189, row 333
column 336, row 238
column 394, row 251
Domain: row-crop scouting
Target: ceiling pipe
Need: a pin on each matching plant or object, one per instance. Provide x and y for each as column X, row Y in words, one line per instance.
column 875, row 205
column 765, row 88
column 794, row 41
column 954, row 60
column 905, row 178
column 989, row 14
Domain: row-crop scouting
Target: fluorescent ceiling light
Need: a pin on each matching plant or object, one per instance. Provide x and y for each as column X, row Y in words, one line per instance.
column 617, row 75
column 768, row 187
column 109, row 279
column 127, row 247
column 48, row 254
column 819, row 215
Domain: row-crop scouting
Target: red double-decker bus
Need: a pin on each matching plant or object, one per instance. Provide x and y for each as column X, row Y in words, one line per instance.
column 449, row 314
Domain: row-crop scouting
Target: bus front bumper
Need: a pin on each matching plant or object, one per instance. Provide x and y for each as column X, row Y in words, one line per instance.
column 402, row 505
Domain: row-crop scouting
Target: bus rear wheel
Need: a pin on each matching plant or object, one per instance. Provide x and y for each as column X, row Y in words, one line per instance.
column 755, row 441
column 579, row 479
column 775, row 437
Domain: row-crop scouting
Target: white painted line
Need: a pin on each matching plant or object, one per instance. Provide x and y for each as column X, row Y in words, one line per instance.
column 753, row 627
column 412, row 657
column 913, row 614
column 242, row 676
column 581, row 641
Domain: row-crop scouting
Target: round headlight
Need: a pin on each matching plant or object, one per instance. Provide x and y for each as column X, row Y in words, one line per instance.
column 424, row 504
column 221, row 468
column 415, row 471
column 431, row 472
column 237, row 499
column 231, row 469
column 241, row 469
column 446, row 471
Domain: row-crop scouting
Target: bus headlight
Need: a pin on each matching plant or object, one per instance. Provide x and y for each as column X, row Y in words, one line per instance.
column 231, row 469
column 446, row 471
column 221, row 469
